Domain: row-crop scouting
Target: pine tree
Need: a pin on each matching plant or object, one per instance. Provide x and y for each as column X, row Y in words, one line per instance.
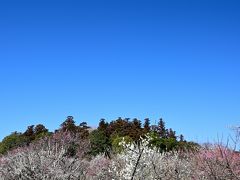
column 30, row 131
column 172, row 134
column 83, row 130
column 136, row 123
column 102, row 126
column 146, row 126
column 135, row 130
column 69, row 125
column 40, row 129
column 181, row 137
column 83, row 125
column 161, row 128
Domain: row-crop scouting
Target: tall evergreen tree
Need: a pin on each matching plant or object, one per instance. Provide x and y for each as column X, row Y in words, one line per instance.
column 119, row 127
column 102, row 126
column 83, row 130
column 146, row 126
column 69, row 125
column 135, row 131
column 30, row 131
column 171, row 134
column 29, row 134
column 136, row 123
column 83, row 125
column 40, row 129
column 161, row 128
column 181, row 138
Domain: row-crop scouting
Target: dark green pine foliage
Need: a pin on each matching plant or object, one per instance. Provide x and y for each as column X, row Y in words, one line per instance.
column 29, row 134
column 136, row 130
column 100, row 140
column 146, row 126
column 171, row 134
column 181, row 138
column 12, row 141
column 41, row 131
column 162, row 129
column 103, row 125
column 83, row 130
column 69, row 125
column 104, row 139
column 120, row 127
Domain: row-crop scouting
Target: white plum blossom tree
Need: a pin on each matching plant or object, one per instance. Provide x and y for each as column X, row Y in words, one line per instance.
column 49, row 159
column 46, row 159
column 142, row 161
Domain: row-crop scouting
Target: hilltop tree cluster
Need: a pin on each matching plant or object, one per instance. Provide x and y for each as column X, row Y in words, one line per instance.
column 104, row 139
column 120, row 149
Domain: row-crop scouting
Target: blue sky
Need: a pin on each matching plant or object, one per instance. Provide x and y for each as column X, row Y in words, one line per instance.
column 179, row 60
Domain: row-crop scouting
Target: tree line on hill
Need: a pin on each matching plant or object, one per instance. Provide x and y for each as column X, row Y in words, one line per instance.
column 104, row 139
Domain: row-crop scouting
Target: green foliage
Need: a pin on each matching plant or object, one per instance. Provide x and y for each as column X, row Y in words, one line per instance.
column 16, row 139
column 162, row 129
column 184, row 145
column 35, row 133
column 105, row 139
column 71, row 150
column 83, row 130
column 42, row 135
column 99, row 143
column 12, row 141
column 165, row 144
column 115, row 140
column 171, row 134
column 40, row 129
column 119, row 127
column 171, row 144
column 103, row 125
column 125, row 127
column 156, row 141
column 69, row 125
column 146, row 126
column 29, row 134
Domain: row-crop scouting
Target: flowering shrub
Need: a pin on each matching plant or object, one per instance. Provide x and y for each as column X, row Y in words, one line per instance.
column 50, row 159
column 42, row 161
column 217, row 162
column 141, row 161
column 99, row 168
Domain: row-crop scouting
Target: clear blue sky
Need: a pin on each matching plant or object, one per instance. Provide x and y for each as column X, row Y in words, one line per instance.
column 179, row 60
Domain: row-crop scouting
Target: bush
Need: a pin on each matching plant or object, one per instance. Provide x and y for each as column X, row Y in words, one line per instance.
column 12, row 141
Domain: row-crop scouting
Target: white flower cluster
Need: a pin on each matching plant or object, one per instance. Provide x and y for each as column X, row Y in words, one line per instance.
column 141, row 161
column 41, row 164
column 137, row 161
